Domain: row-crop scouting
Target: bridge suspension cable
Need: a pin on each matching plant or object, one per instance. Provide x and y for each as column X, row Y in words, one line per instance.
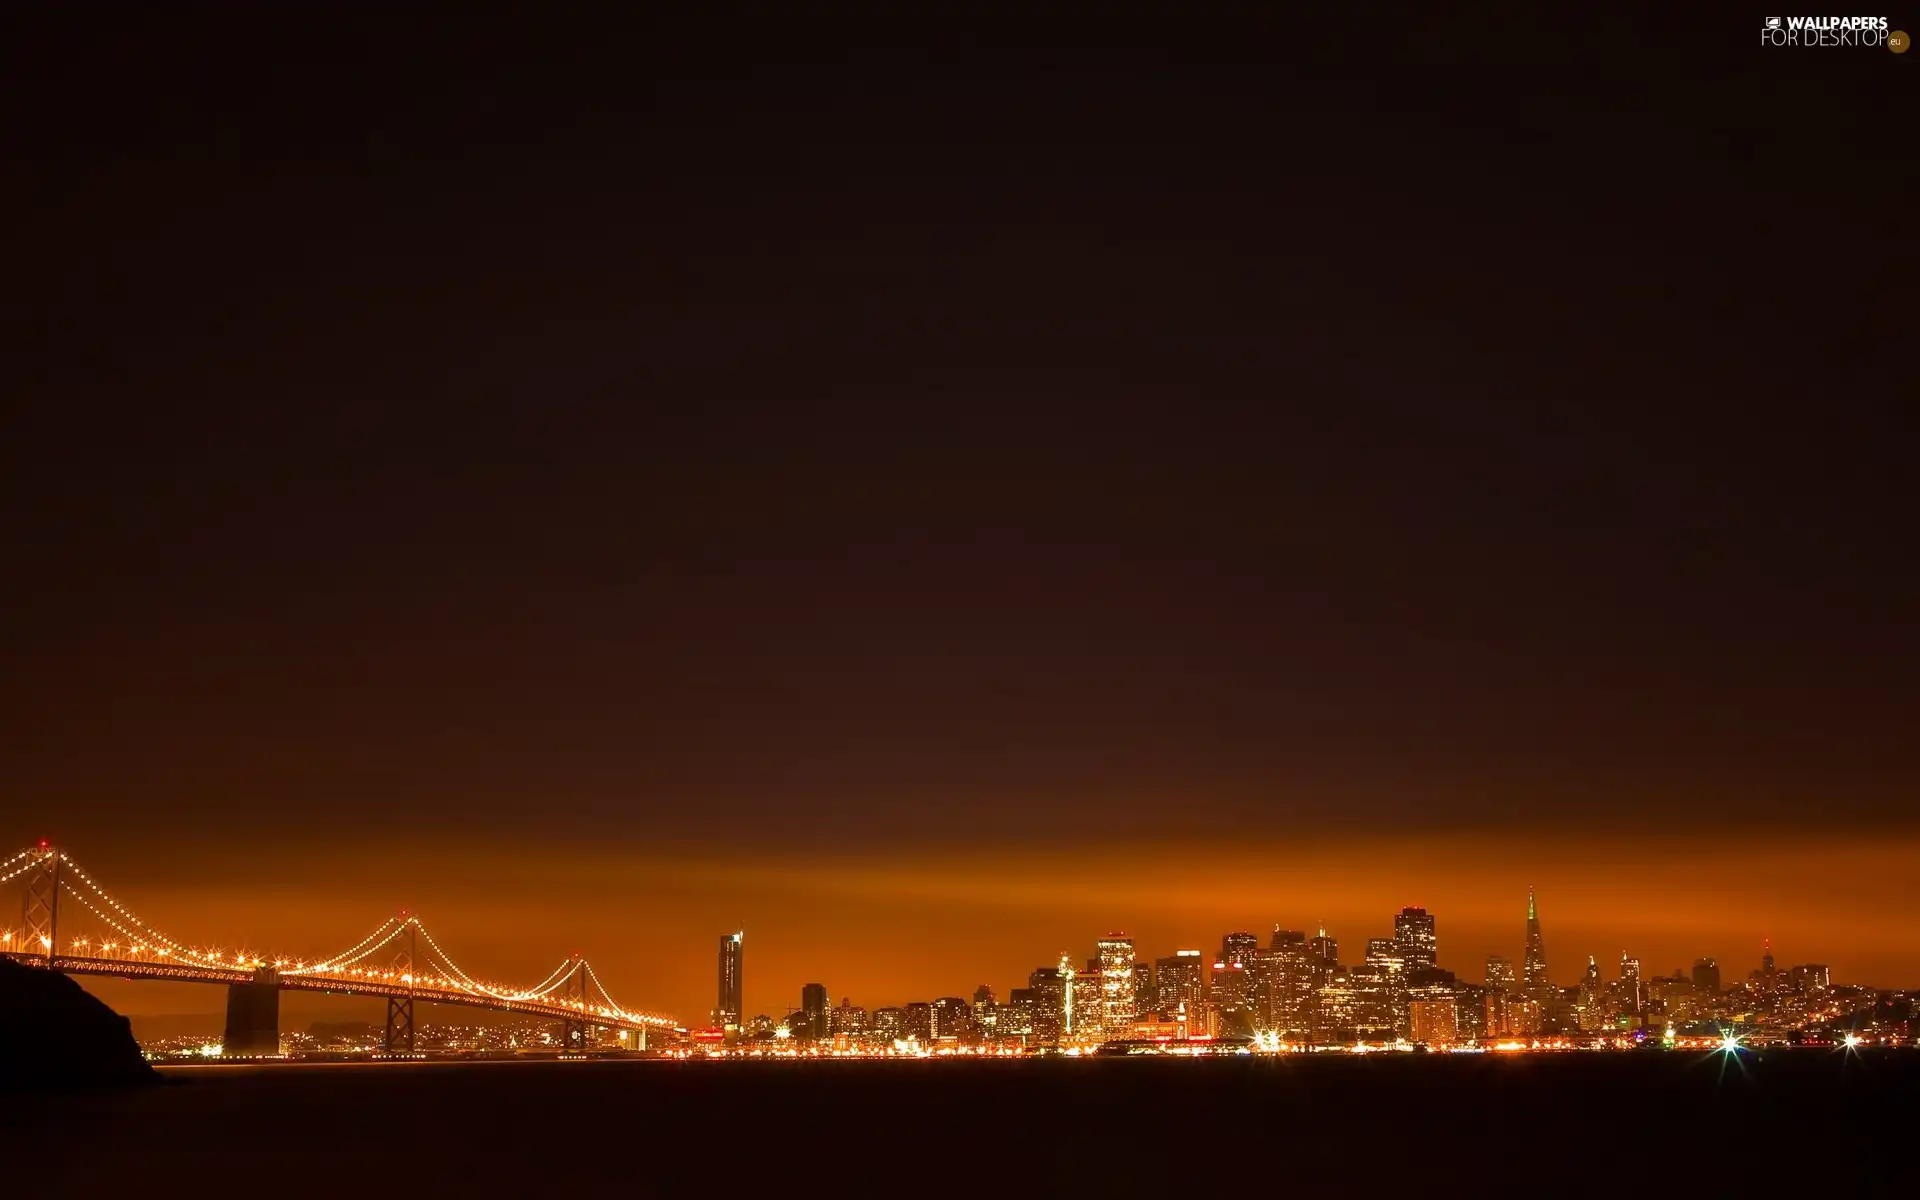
column 390, row 927
column 149, row 932
column 618, row 1009
column 434, row 968
column 435, row 953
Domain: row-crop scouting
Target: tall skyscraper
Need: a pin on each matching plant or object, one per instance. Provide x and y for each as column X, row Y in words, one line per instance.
column 849, row 1019
column 1048, row 989
column 1383, row 982
column 953, row 1018
column 986, row 1014
column 1706, row 976
column 1323, row 951
column 1015, row 1017
column 1500, row 977
column 726, row 1013
column 1087, row 1014
column 919, row 1021
column 1180, row 987
column 888, row 1024
column 814, row 1010
column 1229, row 1000
column 1630, row 985
column 1116, row 983
column 1533, row 966
column 1290, row 1000
column 1239, row 948
column 1413, row 934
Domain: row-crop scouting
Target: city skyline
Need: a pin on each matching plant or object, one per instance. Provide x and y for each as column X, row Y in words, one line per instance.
column 968, row 604
column 1241, row 947
column 1286, row 990
column 954, row 502
column 957, row 925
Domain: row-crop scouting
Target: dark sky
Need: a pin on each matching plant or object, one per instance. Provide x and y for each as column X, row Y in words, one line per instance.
column 883, row 440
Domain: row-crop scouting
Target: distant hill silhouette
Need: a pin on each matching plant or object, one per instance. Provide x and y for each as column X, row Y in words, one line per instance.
column 55, row 1035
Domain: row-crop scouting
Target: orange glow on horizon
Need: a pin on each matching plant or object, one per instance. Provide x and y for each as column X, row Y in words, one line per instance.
column 885, row 930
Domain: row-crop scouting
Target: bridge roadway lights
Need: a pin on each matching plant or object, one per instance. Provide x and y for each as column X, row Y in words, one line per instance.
column 253, row 1015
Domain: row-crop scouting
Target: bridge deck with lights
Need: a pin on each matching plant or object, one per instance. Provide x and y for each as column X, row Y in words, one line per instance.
column 399, row 961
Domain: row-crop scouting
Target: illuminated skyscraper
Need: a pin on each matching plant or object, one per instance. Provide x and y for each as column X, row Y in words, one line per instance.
column 1433, row 1022
column 1015, row 1017
column 919, row 1021
column 1323, row 951
column 1767, row 978
column 1230, row 1000
column 849, row 1019
column 1498, row 1008
column 1382, row 983
column 1142, row 989
column 1086, row 1008
column 1500, row 977
column 1413, row 935
column 726, row 1014
column 1631, row 989
column 888, row 1024
column 1179, row 985
column 1343, row 1009
column 1289, row 1000
column 1239, row 948
column 1048, row 989
column 986, row 1014
column 1533, row 966
column 953, row 1018
column 1116, row 982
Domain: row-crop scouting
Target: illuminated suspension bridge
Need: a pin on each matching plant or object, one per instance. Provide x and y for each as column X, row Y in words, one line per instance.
column 399, row 961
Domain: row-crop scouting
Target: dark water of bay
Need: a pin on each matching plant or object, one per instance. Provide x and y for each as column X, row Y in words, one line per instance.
column 1549, row 1125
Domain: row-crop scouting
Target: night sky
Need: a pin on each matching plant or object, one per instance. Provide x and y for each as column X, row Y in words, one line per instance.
column 928, row 502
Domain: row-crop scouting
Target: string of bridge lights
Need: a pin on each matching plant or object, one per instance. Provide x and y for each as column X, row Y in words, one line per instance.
column 151, row 933
column 142, row 938
column 352, row 955
column 552, row 981
column 618, row 1010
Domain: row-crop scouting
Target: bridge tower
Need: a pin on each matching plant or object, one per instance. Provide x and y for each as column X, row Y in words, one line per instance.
column 253, row 1015
column 577, row 1034
column 399, row 1035
column 41, row 917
